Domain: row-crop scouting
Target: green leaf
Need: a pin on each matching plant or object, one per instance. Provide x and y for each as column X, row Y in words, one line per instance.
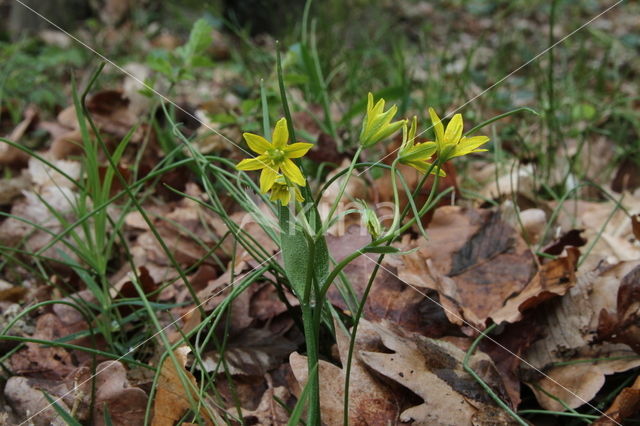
column 296, row 252
column 158, row 60
column 199, row 40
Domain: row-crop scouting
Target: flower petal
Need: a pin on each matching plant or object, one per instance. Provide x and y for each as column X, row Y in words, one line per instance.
column 291, row 171
column 297, row 150
column 454, row 130
column 421, row 151
column 267, row 179
column 280, row 193
column 437, row 125
column 280, row 134
column 256, row 142
column 469, row 145
column 260, row 162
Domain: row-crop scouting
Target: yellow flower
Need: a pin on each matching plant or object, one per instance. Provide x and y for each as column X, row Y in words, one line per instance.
column 450, row 142
column 415, row 154
column 275, row 156
column 377, row 123
column 280, row 191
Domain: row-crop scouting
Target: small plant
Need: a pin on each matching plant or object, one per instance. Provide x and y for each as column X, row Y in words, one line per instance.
column 302, row 233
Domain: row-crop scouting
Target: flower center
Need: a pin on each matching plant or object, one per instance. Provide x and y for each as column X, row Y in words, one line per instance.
column 277, row 155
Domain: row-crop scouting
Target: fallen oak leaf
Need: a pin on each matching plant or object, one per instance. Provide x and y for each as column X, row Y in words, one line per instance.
column 484, row 270
column 575, row 364
column 370, row 402
column 433, row 370
column 172, row 399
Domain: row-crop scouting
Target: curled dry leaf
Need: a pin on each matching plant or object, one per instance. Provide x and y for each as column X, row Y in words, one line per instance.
column 433, row 370
column 605, row 224
column 626, row 405
column 172, row 400
column 622, row 326
column 570, row 325
column 572, row 238
column 370, row 402
column 12, row 156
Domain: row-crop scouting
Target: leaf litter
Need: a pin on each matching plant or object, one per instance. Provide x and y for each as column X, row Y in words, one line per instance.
column 571, row 318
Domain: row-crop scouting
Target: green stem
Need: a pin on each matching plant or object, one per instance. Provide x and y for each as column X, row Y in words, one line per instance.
column 352, row 340
column 485, row 386
column 391, row 235
column 343, row 187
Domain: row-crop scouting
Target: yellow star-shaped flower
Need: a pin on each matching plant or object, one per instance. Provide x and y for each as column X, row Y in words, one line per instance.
column 450, row 142
column 377, row 123
column 275, row 157
column 416, row 155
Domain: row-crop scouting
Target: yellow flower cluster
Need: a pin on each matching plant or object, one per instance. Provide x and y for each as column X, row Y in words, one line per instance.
column 281, row 178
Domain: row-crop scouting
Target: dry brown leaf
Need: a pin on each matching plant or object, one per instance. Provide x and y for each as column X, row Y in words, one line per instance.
column 553, row 279
column 26, row 398
column 253, row 352
column 621, row 326
column 506, row 350
column 433, row 370
column 481, row 267
column 390, row 298
column 11, row 156
column 172, row 400
column 370, row 402
column 626, row 404
column 51, row 191
column 11, row 293
column 570, row 326
column 11, row 188
column 269, row 411
column 126, row 404
column 605, row 224
column 41, row 361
